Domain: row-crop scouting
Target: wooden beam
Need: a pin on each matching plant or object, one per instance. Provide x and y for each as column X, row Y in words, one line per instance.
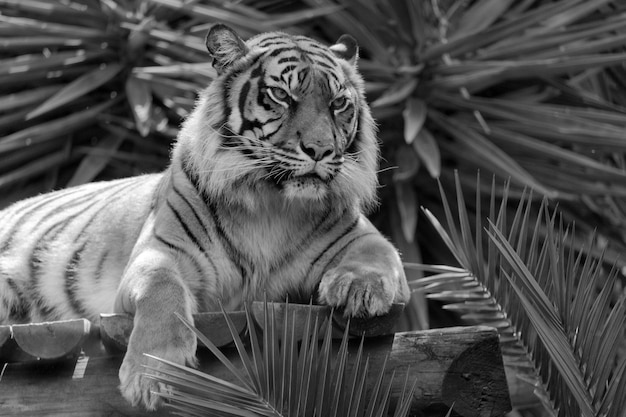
column 460, row 365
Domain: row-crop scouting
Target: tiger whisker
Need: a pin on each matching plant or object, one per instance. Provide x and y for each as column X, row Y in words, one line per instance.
column 239, row 167
column 391, row 168
column 221, row 134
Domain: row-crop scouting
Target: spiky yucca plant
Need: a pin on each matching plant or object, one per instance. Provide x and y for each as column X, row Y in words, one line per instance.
column 283, row 376
column 551, row 303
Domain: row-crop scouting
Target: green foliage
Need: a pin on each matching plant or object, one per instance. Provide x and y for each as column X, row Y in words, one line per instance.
column 552, row 304
column 284, row 376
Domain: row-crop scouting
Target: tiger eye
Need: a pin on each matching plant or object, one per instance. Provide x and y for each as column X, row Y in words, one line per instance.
column 279, row 95
column 339, row 103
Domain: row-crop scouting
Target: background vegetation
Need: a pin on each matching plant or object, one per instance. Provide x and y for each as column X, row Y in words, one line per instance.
column 530, row 93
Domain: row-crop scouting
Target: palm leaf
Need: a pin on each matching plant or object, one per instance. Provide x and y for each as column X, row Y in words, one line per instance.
column 281, row 379
column 552, row 304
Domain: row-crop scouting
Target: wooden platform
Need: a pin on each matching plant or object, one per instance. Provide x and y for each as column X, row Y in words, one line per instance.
column 460, row 365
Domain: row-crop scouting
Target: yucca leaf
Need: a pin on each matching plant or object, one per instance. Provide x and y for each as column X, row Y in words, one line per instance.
column 57, row 74
column 36, row 167
column 408, row 208
column 404, row 404
column 327, row 386
column 223, row 359
column 548, row 150
column 559, row 316
column 77, row 88
column 558, row 348
column 375, row 391
column 28, row 25
column 396, row 93
column 356, row 383
column 348, row 21
column 139, row 96
column 449, row 413
column 444, row 236
column 178, row 70
column 298, row 17
column 427, row 149
column 414, row 115
column 27, row 97
column 52, row 11
column 480, row 16
column 50, row 130
column 338, row 377
column 467, row 242
column 379, row 405
column 93, row 163
column 183, row 375
column 202, row 404
column 324, row 372
column 249, row 363
column 614, row 402
column 574, row 13
column 31, row 62
column 215, row 14
column 36, row 43
column 478, row 145
column 501, row 31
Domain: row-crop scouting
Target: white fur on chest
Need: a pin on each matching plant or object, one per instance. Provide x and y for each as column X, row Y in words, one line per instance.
column 267, row 236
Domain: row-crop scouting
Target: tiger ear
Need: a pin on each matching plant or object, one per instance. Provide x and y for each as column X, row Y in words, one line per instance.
column 346, row 48
column 225, row 46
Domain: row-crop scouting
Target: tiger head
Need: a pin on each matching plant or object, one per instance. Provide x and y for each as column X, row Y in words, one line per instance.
column 285, row 116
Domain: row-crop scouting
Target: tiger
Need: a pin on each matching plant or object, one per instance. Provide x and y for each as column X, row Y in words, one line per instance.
column 265, row 197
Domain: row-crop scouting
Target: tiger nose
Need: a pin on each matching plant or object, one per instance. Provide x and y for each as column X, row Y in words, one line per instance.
column 317, row 151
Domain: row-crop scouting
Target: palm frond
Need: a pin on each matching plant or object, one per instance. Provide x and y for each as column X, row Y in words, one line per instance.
column 284, row 377
column 551, row 302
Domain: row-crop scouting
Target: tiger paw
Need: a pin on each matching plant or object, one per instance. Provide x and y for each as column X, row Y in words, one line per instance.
column 136, row 384
column 360, row 291
column 136, row 387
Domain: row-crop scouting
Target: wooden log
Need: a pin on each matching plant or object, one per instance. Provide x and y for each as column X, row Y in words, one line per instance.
column 60, row 339
column 459, row 365
column 43, row 341
column 115, row 329
column 370, row 326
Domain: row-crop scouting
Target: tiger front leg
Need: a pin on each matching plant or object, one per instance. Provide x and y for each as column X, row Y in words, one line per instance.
column 369, row 277
column 153, row 292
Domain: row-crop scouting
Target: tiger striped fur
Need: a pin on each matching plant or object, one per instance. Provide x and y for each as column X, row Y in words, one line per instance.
column 264, row 197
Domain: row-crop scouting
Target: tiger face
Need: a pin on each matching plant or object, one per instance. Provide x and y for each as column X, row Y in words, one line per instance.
column 298, row 112
column 295, row 121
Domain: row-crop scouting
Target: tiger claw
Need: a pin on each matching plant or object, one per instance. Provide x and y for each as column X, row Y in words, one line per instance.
column 359, row 292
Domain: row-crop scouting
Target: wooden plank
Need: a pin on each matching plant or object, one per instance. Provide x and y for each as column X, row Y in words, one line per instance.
column 460, row 365
column 49, row 340
column 53, row 389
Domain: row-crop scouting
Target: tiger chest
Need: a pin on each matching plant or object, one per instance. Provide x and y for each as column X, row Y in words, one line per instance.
column 251, row 252
column 266, row 243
